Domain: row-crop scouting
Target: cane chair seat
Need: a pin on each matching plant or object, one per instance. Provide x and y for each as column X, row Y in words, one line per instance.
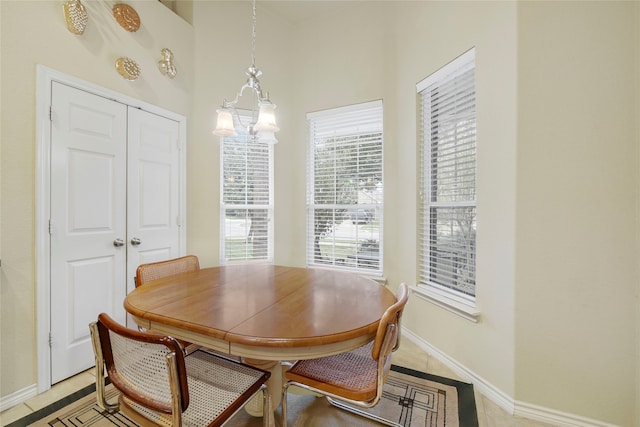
column 355, row 378
column 159, row 385
column 352, row 374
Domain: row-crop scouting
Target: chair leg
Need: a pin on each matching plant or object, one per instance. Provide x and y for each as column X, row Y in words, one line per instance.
column 357, row 411
column 267, row 411
column 99, row 371
column 284, row 404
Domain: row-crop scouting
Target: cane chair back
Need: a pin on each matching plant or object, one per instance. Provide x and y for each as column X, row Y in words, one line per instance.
column 353, row 378
column 159, row 385
column 158, row 270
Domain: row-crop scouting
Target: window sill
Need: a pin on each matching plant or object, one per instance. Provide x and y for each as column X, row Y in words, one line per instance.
column 373, row 275
column 380, row 279
column 448, row 302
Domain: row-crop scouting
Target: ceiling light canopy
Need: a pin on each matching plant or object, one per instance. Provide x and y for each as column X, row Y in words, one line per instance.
column 264, row 128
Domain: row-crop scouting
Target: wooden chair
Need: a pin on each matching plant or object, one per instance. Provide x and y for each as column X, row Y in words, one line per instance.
column 160, row 269
column 159, row 385
column 355, row 377
column 157, row 270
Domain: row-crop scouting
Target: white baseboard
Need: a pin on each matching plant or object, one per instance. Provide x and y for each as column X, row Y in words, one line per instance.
column 480, row 384
column 497, row 396
column 18, row 397
column 556, row 418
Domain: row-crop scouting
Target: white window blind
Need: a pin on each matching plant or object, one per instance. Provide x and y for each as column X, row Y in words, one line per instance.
column 447, row 213
column 345, row 188
column 246, row 200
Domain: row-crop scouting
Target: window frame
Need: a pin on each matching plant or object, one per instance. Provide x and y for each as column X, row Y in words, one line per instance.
column 371, row 115
column 224, row 207
column 445, row 295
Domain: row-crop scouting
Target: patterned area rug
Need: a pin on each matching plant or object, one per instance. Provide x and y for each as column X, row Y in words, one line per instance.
column 411, row 398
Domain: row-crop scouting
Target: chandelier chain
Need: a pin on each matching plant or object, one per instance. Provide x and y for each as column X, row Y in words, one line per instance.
column 253, row 36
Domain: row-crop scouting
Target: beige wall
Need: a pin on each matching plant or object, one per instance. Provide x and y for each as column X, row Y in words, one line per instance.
column 637, row 180
column 34, row 32
column 558, row 233
column 223, row 42
column 556, row 312
column 396, row 47
column 339, row 61
column 485, row 348
column 577, row 218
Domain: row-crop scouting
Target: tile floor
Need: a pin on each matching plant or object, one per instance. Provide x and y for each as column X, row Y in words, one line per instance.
column 408, row 355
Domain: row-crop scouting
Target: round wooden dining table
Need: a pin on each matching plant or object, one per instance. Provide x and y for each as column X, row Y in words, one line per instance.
column 265, row 314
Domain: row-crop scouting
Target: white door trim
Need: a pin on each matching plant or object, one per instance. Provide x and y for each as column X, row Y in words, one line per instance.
column 45, row 77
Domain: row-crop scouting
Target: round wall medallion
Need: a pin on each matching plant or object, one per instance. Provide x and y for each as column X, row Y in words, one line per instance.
column 127, row 17
column 76, row 16
column 128, row 68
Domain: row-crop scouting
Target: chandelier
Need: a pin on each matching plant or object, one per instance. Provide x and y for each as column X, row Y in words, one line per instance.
column 264, row 128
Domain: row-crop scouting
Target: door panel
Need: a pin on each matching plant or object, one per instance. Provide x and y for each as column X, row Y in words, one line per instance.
column 153, row 190
column 88, row 213
column 87, row 291
column 91, row 195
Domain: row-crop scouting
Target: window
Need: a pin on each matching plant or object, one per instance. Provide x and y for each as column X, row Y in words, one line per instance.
column 247, row 199
column 447, row 212
column 344, row 188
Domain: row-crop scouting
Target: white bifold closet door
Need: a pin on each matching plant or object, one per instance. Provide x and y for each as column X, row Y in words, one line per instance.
column 115, row 203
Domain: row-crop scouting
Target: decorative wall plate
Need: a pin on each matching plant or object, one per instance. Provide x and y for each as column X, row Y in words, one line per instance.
column 165, row 65
column 76, row 16
column 127, row 17
column 128, row 68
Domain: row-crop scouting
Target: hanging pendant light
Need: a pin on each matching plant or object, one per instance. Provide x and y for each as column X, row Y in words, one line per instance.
column 264, row 128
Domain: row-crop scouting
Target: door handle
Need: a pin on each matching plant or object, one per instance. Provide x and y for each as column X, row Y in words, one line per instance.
column 135, row 241
column 118, row 242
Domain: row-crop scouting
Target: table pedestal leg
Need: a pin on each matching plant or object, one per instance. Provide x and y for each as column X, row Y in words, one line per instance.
column 274, row 385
